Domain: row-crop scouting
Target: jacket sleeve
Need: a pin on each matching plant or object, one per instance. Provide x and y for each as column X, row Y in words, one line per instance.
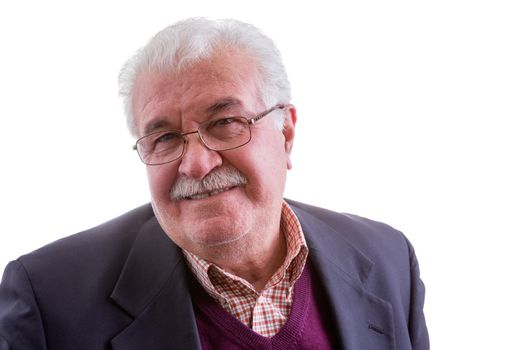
column 417, row 325
column 20, row 321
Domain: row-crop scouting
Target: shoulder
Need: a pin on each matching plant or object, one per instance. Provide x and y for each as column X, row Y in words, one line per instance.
column 101, row 247
column 375, row 239
column 369, row 255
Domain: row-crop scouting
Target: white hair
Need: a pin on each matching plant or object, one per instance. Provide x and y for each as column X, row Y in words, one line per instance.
column 190, row 41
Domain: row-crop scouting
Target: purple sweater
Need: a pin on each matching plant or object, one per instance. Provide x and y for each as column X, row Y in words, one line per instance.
column 306, row 328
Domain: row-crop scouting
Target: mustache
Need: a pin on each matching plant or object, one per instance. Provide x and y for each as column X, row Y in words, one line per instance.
column 219, row 179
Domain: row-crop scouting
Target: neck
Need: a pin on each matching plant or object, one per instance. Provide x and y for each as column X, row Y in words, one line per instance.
column 250, row 258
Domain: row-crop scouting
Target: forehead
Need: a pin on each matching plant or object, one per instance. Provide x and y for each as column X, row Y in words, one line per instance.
column 226, row 75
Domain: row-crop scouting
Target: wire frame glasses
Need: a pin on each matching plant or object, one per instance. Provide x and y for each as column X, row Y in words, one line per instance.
column 221, row 134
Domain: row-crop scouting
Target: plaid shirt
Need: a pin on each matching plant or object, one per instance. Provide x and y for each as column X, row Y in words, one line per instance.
column 265, row 312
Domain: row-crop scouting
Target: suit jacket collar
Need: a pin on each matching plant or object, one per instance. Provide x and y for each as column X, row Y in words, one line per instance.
column 153, row 290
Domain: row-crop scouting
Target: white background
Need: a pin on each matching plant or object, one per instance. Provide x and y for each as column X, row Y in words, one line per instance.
column 410, row 112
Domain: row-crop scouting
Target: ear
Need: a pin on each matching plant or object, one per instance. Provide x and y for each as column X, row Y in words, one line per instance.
column 290, row 119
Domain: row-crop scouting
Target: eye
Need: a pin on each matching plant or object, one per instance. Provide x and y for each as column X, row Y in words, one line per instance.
column 164, row 141
column 167, row 137
column 223, row 122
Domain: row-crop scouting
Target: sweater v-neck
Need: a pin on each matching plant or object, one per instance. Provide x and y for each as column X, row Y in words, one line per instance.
column 237, row 332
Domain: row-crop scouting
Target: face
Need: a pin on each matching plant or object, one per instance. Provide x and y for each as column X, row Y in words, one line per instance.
column 224, row 85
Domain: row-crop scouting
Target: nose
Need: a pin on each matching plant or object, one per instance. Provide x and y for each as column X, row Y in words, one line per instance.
column 198, row 160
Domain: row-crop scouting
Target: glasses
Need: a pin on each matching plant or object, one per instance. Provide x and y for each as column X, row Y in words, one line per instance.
column 221, row 134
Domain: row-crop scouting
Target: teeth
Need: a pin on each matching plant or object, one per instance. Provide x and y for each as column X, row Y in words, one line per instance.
column 208, row 194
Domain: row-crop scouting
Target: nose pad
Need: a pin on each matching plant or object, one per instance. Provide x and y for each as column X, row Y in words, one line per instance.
column 198, row 160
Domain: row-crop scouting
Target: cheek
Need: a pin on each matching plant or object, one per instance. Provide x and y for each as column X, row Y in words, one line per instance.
column 270, row 156
column 265, row 168
column 161, row 180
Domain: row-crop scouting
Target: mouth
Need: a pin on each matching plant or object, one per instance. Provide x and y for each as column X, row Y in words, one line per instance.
column 207, row 194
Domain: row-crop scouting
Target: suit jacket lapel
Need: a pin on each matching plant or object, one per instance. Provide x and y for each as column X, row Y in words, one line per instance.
column 363, row 320
column 153, row 290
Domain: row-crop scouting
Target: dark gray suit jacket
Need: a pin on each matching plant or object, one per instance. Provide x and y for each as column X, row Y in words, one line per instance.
column 123, row 286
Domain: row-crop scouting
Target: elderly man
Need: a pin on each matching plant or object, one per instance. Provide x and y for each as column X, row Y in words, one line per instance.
column 218, row 260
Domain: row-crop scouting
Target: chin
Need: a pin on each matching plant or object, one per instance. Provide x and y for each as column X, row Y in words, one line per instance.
column 216, row 241
column 214, row 233
column 200, row 235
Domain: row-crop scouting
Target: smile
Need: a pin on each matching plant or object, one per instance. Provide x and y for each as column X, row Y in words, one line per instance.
column 208, row 194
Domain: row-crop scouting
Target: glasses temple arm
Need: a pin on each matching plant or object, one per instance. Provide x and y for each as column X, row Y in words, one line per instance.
column 262, row 115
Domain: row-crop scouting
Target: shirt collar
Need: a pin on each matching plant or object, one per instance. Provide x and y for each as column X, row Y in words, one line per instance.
column 294, row 262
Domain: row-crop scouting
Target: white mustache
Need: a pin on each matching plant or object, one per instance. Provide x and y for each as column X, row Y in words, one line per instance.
column 217, row 181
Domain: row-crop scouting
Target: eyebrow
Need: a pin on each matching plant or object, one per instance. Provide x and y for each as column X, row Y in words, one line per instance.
column 155, row 125
column 214, row 108
column 222, row 104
